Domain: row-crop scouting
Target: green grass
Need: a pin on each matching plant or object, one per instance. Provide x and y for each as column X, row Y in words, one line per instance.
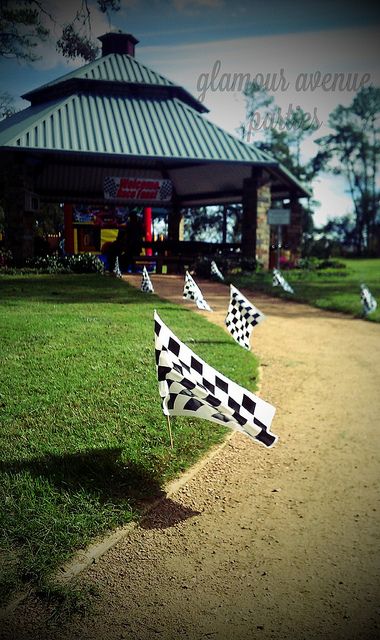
column 333, row 289
column 82, row 435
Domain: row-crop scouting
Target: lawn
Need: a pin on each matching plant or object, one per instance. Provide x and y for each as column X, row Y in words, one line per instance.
column 82, row 435
column 336, row 289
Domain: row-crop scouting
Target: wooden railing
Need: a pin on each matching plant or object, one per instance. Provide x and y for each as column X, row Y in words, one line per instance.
column 170, row 256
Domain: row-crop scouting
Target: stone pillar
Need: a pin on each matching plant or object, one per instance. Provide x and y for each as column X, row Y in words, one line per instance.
column 263, row 228
column 255, row 229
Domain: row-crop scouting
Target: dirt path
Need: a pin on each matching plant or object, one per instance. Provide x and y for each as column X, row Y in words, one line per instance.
column 280, row 543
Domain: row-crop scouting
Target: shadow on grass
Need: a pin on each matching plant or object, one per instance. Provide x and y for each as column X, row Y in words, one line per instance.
column 71, row 288
column 166, row 515
column 101, row 472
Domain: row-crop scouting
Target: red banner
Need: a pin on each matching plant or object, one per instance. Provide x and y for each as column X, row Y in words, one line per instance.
column 137, row 189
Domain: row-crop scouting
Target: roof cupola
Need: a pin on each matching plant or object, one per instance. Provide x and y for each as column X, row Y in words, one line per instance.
column 117, row 42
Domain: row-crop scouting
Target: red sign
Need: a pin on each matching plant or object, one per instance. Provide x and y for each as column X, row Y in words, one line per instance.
column 137, row 189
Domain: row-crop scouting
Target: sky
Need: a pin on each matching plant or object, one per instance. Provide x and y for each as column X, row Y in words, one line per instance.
column 203, row 44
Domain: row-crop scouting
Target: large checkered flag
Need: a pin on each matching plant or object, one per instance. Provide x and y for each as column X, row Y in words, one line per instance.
column 241, row 317
column 368, row 301
column 191, row 291
column 146, row 283
column 189, row 387
column 215, row 270
column 116, row 272
column 279, row 280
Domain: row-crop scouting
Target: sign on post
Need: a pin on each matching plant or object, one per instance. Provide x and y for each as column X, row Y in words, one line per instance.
column 277, row 217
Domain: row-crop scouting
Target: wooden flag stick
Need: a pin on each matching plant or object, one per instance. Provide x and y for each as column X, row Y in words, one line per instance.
column 170, row 431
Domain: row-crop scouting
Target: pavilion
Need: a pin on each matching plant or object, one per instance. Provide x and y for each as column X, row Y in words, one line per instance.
column 115, row 132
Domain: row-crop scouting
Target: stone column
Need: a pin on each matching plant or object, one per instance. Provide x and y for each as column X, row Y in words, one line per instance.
column 255, row 228
column 263, row 228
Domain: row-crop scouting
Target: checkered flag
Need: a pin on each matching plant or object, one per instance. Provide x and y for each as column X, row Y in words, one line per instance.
column 110, row 187
column 241, row 317
column 189, row 387
column 368, row 301
column 215, row 271
column 116, row 272
column 279, row 280
column 191, row 291
column 165, row 192
column 146, row 283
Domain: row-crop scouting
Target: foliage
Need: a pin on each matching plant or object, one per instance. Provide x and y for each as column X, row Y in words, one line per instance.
column 7, row 107
column 213, row 224
column 353, row 150
column 6, row 258
column 82, row 263
column 82, row 436
column 281, row 136
column 21, row 29
column 24, row 24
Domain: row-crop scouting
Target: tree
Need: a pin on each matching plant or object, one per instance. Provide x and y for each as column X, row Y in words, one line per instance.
column 24, row 24
column 7, row 107
column 281, row 135
column 353, row 151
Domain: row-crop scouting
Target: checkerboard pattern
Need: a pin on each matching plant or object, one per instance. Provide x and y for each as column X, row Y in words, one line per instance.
column 191, row 291
column 241, row 317
column 146, row 283
column 111, row 187
column 215, row 270
column 190, row 387
column 279, row 280
column 116, row 270
column 368, row 301
column 165, row 192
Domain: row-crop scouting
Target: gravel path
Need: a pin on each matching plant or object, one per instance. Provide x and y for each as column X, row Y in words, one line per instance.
column 280, row 543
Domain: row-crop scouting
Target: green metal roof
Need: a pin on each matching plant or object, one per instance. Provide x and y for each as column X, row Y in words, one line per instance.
column 118, row 106
column 114, row 67
column 125, row 126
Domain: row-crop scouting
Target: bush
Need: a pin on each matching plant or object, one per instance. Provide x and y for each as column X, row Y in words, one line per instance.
column 6, row 258
column 83, row 263
column 331, row 264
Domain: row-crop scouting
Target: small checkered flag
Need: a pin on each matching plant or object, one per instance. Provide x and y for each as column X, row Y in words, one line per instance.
column 368, row 301
column 191, row 291
column 116, row 272
column 241, row 317
column 146, row 283
column 279, row 280
column 165, row 192
column 189, row 387
column 215, row 271
column 110, row 187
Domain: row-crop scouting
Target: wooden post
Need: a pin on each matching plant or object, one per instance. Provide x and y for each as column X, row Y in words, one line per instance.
column 68, row 228
column 249, row 221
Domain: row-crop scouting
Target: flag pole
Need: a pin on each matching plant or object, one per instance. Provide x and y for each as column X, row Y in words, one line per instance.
column 170, row 432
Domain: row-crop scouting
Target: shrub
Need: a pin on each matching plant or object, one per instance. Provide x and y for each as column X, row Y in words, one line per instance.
column 6, row 258
column 83, row 263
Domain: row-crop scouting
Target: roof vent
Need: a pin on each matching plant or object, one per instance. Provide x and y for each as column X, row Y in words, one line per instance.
column 118, row 43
